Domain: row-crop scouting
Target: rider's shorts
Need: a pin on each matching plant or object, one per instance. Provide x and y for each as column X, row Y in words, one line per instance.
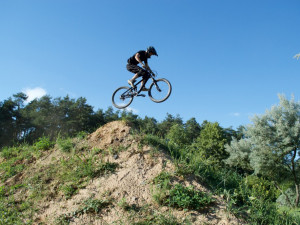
column 136, row 69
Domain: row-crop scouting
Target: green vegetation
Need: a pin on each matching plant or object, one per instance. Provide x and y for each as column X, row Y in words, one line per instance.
column 64, row 176
column 255, row 168
column 89, row 206
column 177, row 195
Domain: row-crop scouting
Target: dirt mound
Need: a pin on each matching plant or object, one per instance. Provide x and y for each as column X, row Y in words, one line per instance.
column 127, row 190
column 112, row 134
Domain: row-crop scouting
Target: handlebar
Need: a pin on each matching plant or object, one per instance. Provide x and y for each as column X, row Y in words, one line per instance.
column 151, row 72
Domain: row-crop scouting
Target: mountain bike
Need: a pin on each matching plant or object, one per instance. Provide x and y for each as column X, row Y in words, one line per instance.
column 159, row 91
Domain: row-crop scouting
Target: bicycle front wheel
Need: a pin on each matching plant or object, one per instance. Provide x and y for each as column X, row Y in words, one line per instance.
column 160, row 90
column 122, row 97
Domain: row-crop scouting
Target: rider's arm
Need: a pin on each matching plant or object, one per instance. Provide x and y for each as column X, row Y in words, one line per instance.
column 137, row 57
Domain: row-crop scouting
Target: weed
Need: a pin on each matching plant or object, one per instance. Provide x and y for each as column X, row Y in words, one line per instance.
column 127, row 207
column 89, row 206
column 162, row 184
column 96, row 151
column 65, row 145
column 69, row 190
column 12, row 211
column 178, row 196
column 43, row 143
column 15, row 160
column 188, row 198
column 93, row 206
column 81, row 135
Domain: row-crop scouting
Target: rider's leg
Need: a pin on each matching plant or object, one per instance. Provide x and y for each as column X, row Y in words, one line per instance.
column 144, row 81
column 133, row 69
column 132, row 80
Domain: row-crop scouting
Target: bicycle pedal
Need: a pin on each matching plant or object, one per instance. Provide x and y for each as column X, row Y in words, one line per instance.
column 142, row 95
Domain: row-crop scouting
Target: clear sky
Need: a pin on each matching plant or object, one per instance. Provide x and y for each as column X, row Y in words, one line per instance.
column 226, row 59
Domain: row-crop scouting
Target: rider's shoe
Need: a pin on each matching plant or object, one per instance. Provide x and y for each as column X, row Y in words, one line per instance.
column 145, row 89
column 130, row 82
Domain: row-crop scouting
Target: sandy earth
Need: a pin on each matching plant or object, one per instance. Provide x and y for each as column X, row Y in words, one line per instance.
column 131, row 182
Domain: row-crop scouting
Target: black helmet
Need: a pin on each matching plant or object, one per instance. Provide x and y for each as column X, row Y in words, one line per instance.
column 151, row 49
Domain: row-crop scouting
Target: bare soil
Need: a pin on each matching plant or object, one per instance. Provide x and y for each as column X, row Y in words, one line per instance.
column 131, row 183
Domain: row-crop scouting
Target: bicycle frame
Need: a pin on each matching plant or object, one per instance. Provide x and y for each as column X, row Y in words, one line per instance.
column 133, row 91
column 123, row 96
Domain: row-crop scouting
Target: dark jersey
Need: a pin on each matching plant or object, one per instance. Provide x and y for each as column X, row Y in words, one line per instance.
column 143, row 56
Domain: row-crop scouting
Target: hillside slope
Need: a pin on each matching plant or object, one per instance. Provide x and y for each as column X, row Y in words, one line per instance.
column 109, row 177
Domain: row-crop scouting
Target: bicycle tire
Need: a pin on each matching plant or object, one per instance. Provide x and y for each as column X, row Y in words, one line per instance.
column 164, row 87
column 119, row 101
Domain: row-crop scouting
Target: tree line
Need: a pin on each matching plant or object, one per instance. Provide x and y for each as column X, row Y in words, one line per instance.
column 46, row 116
column 50, row 117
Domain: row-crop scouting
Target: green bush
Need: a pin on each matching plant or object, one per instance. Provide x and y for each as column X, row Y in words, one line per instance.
column 81, row 135
column 188, row 198
column 288, row 198
column 254, row 200
column 43, row 143
column 65, row 145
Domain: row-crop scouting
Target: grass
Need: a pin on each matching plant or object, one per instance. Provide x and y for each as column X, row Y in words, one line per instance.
column 146, row 215
column 179, row 196
column 188, row 198
column 77, row 165
column 14, row 211
column 16, row 159
column 65, row 145
column 90, row 206
column 19, row 199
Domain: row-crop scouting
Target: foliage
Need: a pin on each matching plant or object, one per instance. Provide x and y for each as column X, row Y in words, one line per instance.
column 89, row 206
column 167, row 123
column 192, row 129
column 254, row 200
column 47, row 117
column 272, row 145
column 69, row 190
column 44, row 143
column 177, row 135
column 269, row 148
column 16, row 159
column 211, row 142
column 287, row 198
column 188, row 198
column 178, row 196
column 11, row 211
column 65, row 145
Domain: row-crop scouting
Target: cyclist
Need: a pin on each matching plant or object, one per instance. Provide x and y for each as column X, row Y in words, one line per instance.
column 139, row 58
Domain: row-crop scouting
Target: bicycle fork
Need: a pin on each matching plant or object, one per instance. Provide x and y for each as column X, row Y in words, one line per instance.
column 157, row 87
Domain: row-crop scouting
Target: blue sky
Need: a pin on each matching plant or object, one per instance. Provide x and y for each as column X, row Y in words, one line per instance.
column 226, row 59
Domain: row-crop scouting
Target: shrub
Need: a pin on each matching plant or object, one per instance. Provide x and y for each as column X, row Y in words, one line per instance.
column 65, row 145
column 163, row 185
column 43, row 143
column 188, row 198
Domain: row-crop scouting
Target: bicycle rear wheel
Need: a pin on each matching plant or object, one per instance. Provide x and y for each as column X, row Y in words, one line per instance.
column 122, row 97
column 160, row 90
